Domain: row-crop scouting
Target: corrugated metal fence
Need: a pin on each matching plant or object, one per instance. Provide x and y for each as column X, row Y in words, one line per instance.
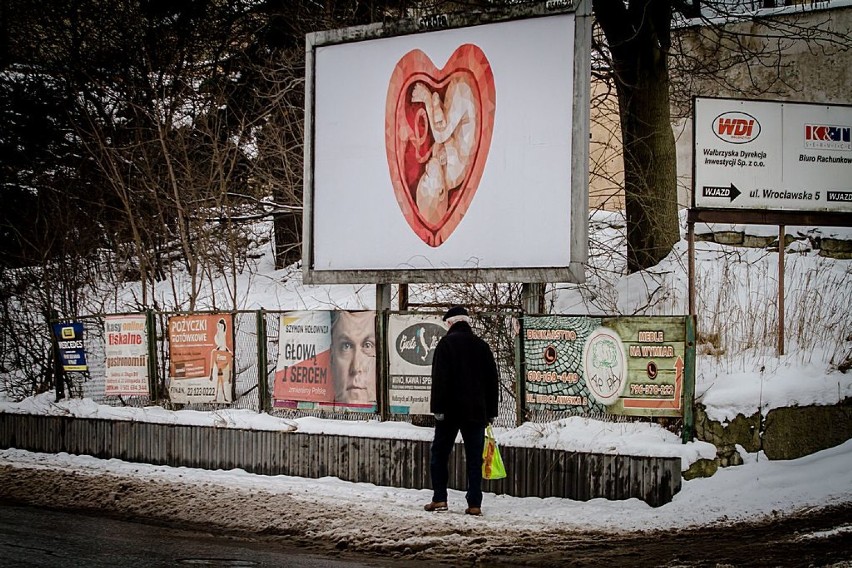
column 531, row 472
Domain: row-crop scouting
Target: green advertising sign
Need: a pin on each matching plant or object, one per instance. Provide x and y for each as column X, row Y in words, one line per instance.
column 636, row 365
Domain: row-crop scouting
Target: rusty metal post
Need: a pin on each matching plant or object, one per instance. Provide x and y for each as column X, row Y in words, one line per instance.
column 781, row 247
column 403, row 297
column 691, row 266
column 532, row 297
column 383, row 306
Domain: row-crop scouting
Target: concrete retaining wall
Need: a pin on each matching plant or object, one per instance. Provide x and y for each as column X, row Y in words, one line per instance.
column 783, row 434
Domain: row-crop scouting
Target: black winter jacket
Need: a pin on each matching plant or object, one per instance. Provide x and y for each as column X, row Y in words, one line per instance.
column 464, row 377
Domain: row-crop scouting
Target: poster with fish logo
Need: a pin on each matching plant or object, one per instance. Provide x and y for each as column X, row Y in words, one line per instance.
column 411, row 344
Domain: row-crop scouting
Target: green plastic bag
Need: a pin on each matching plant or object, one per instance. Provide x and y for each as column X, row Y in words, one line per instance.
column 492, row 463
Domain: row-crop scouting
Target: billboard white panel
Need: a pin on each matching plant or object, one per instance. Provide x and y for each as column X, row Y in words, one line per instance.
column 446, row 150
column 772, row 155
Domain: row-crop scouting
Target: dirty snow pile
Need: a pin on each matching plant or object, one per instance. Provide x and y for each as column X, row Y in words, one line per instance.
column 383, row 519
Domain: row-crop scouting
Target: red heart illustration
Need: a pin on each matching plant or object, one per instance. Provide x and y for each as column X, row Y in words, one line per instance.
column 438, row 126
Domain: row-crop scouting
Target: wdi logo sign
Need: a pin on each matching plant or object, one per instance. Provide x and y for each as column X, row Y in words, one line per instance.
column 824, row 137
column 736, row 127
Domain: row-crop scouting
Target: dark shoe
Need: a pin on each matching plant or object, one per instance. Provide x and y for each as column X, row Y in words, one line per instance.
column 475, row 511
column 436, row 506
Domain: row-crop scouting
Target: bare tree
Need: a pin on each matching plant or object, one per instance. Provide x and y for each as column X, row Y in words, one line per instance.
column 657, row 61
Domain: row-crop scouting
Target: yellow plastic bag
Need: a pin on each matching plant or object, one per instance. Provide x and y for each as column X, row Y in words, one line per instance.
column 492, row 463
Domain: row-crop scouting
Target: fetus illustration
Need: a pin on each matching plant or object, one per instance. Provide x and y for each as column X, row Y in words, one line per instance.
column 438, row 127
column 452, row 124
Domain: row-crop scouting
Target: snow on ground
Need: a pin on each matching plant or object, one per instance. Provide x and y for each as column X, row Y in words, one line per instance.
column 380, row 519
column 737, row 372
column 571, row 434
column 371, row 518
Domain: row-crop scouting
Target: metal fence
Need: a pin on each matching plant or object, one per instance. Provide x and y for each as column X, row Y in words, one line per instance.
column 531, row 472
column 256, row 352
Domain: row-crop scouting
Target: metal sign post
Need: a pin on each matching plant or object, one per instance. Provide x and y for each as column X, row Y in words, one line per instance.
column 769, row 163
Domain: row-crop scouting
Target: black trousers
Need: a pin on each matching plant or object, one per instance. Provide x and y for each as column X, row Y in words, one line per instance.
column 473, row 435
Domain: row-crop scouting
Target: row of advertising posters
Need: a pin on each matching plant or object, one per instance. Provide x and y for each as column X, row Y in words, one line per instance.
column 125, row 350
column 328, row 360
column 201, row 357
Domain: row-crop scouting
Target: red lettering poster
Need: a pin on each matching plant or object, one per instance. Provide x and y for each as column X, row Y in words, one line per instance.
column 302, row 372
column 126, row 355
column 327, row 360
column 201, row 358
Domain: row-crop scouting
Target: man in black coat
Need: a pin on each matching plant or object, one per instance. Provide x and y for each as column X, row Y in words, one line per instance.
column 464, row 399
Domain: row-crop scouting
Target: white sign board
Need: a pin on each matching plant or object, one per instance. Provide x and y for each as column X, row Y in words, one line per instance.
column 412, row 340
column 446, row 150
column 126, row 355
column 772, row 155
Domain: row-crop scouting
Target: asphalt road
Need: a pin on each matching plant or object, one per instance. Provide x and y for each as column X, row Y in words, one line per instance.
column 32, row 536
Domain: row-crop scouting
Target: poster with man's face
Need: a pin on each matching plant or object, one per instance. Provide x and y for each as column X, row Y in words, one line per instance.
column 304, row 352
column 327, row 360
column 201, row 358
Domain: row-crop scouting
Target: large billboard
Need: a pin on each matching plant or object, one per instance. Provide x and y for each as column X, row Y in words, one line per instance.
column 772, row 155
column 442, row 152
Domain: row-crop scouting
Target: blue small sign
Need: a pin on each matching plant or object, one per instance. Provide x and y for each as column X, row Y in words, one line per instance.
column 72, row 352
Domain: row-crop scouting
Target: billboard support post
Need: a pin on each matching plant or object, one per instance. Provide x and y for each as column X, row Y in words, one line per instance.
column 383, row 306
column 58, row 370
column 520, row 366
column 532, row 297
column 153, row 380
column 781, row 247
column 403, row 297
column 690, row 229
column 262, row 363
column 689, row 380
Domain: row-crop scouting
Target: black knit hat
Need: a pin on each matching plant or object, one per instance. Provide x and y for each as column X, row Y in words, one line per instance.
column 455, row 311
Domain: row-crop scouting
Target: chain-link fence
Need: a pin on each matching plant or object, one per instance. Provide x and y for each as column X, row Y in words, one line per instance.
column 256, row 345
column 256, row 340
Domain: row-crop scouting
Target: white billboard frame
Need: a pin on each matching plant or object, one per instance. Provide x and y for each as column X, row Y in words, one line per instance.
column 766, row 165
column 316, row 269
